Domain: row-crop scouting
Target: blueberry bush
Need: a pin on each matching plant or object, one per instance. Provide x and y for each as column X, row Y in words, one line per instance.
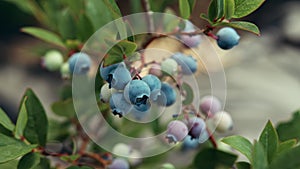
column 130, row 91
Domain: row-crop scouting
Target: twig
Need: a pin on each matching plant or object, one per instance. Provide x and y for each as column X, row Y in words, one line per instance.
column 149, row 19
column 212, row 139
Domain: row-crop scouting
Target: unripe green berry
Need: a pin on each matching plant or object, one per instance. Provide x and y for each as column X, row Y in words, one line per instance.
column 64, row 70
column 121, row 149
column 223, row 121
column 106, row 92
column 169, row 66
column 53, row 60
column 167, row 166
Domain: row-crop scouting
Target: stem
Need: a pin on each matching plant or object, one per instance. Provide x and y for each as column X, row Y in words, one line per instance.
column 149, row 19
column 212, row 139
column 98, row 158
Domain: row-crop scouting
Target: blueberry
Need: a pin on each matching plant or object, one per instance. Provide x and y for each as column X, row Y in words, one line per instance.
column 188, row 63
column 137, row 92
column 135, row 158
column 176, row 131
column 119, row 163
column 167, row 166
column 209, row 105
column 119, row 77
column 227, row 38
column 197, row 127
column 154, row 85
column 190, row 40
column 79, row 63
column 119, row 105
column 223, row 121
column 169, row 66
column 65, row 70
column 139, row 112
column 53, row 60
column 121, row 149
column 106, row 92
column 189, row 143
column 167, row 96
column 105, row 71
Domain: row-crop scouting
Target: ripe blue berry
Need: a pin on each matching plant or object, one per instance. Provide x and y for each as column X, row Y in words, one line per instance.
column 167, row 95
column 53, row 60
column 119, row 163
column 223, row 121
column 137, row 92
column 176, row 131
column 197, row 127
column 119, row 105
column 169, row 66
column 119, row 77
column 105, row 71
column 189, row 143
column 188, row 63
column 190, row 40
column 209, row 105
column 154, row 85
column 140, row 112
column 227, row 38
column 79, row 63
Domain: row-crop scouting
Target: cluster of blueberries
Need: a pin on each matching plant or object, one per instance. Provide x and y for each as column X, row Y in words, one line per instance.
column 193, row 131
column 131, row 94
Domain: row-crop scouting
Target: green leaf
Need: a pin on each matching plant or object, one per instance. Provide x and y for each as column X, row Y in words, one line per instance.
column 284, row 146
column 113, row 7
column 11, row 148
column 243, row 165
column 216, row 10
column 117, row 52
column 29, row 161
column 44, row 35
column 246, row 7
column 44, row 163
column 59, row 130
column 67, row 25
column 9, row 165
column 205, row 17
column 5, row 121
column 192, row 4
column 239, row 143
column 290, row 129
column 269, row 139
column 287, row 160
column 229, row 7
column 64, row 108
column 85, row 28
column 98, row 13
column 189, row 94
column 37, row 123
column 184, row 8
column 211, row 158
column 116, row 13
column 22, row 120
column 247, row 26
column 259, row 157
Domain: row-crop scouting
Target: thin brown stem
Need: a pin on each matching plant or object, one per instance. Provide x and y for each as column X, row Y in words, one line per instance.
column 212, row 139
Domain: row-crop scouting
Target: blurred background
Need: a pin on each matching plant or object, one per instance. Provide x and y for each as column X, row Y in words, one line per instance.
column 263, row 73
